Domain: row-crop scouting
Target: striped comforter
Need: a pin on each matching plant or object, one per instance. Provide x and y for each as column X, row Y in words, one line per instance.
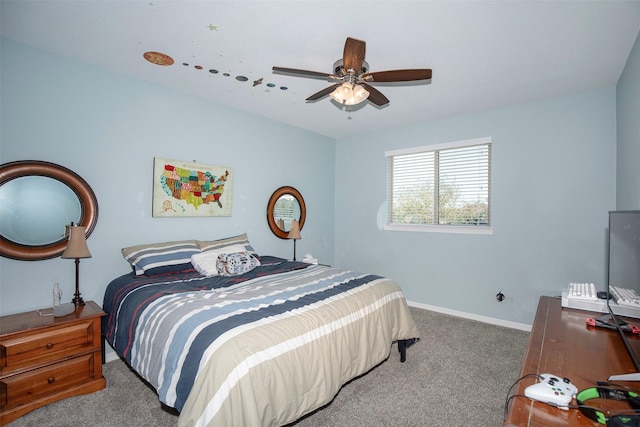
column 263, row 348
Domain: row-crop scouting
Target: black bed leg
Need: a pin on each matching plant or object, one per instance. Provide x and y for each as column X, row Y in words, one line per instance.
column 402, row 348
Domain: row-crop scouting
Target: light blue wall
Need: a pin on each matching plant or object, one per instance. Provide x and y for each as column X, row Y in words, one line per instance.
column 553, row 182
column 108, row 128
column 554, row 179
column 628, row 110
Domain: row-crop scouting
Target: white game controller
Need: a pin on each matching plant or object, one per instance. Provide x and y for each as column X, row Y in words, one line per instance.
column 553, row 390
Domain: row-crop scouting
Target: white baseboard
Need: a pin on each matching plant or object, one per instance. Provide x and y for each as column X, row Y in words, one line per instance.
column 484, row 319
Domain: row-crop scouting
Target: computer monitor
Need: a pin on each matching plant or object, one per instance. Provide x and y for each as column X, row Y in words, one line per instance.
column 624, row 272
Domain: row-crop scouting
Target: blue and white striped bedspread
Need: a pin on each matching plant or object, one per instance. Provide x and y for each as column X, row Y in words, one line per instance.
column 169, row 328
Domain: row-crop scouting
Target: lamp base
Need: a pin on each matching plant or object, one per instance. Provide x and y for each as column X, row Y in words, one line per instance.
column 77, row 299
column 294, row 249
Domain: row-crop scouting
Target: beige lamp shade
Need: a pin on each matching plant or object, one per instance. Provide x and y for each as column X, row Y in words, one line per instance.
column 77, row 246
column 294, row 233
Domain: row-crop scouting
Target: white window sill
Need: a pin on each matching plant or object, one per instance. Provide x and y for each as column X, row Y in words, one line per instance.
column 423, row 228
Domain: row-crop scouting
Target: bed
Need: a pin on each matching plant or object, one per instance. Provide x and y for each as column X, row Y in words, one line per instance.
column 263, row 345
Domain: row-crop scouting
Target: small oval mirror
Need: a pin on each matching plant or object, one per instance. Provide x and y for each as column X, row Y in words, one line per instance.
column 285, row 205
column 37, row 200
column 285, row 210
column 23, row 198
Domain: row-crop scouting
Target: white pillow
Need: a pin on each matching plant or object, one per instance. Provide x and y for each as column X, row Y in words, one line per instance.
column 205, row 262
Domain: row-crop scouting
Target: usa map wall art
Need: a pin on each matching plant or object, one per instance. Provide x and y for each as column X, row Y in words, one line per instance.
column 182, row 189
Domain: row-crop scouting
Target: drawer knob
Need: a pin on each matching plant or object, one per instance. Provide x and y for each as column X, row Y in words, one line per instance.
column 50, row 346
column 51, row 380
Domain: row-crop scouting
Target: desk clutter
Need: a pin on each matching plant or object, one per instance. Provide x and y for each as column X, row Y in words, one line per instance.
column 559, row 392
column 589, row 371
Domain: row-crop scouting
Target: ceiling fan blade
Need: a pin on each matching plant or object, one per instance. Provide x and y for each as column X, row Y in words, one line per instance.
column 398, row 75
column 353, row 56
column 375, row 95
column 324, row 92
column 303, row 73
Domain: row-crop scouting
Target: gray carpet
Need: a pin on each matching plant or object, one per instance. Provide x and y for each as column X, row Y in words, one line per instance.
column 458, row 374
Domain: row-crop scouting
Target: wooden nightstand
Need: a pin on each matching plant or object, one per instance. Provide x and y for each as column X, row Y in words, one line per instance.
column 46, row 358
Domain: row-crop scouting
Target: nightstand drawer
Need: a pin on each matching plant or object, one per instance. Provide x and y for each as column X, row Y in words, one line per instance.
column 28, row 348
column 21, row 388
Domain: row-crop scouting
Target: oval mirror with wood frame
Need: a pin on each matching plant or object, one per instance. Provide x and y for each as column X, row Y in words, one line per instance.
column 285, row 205
column 37, row 200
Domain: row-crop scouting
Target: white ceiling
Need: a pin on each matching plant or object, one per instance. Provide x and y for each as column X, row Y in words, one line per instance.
column 484, row 54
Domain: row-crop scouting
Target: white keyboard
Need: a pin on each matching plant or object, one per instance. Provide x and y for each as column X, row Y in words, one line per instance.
column 625, row 297
column 578, row 301
column 582, row 291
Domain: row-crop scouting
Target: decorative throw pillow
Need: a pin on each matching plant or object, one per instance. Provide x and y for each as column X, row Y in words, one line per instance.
column 167, row 257
column 234, row 264
column 206, row 262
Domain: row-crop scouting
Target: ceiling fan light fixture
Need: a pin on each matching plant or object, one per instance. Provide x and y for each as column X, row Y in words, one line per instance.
column 360, row 93
column 349, row 94
column 342, row 92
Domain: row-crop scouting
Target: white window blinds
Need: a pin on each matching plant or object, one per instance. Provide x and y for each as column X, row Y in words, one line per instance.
column 444, row 185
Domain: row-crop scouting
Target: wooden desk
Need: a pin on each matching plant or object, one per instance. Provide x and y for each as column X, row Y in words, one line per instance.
column 562, row 344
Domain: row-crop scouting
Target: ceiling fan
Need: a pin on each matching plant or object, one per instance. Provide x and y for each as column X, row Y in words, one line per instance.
column 353, row 77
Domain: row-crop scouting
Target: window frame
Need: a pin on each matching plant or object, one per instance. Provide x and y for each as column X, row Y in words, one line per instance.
column 436, row 228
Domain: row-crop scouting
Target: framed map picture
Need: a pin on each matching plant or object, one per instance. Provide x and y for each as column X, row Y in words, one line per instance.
column 191, row 189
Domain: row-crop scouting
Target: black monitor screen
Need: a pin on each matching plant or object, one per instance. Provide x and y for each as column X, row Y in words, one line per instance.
column 624, row 272
column 624, row 249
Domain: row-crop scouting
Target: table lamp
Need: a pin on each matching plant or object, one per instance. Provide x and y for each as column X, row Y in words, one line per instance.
column 294, row 234
column 77, row 248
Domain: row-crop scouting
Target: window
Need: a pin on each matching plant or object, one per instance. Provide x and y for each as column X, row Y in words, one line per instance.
column 444, row 187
